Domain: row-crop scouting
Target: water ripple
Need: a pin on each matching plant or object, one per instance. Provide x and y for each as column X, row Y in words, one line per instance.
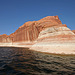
column 22, row 61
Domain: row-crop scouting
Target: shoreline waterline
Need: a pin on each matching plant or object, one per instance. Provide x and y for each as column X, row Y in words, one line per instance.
column 56, row 49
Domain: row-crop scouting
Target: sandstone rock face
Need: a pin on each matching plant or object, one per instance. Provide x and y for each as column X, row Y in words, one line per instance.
column 48, row 28
column 46, row 35
column 30, row 30
column 55, row 37
column 27, row 32
column 56, row 33
column 73, row 31
column 5, row 38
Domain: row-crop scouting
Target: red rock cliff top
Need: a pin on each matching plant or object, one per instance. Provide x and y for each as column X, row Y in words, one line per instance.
column 43, row 23
column 4, row 35
column 30, row 30
column 49, row 19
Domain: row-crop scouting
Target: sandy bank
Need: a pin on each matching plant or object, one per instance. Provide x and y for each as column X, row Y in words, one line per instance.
column 56, row 48
column 15, row 45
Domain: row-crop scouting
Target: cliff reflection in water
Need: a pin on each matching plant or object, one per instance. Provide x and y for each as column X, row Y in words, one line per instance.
column 22, row 61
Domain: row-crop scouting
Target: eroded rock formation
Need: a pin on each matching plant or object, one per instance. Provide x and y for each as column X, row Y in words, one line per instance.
column 30, row 30
column 49, row 27
column 5, row 38
column 56, row 33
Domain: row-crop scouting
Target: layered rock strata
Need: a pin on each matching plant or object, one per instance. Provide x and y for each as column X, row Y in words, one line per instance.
column 30, row 30
column 56, row 33
column 48, row 27
column 5, row 38
column 46, row 34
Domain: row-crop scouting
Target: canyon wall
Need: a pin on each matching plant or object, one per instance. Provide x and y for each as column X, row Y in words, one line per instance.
column 56, row 33
column 49, row 27
column 27, row 32
column 30, row 30
column 5, row 38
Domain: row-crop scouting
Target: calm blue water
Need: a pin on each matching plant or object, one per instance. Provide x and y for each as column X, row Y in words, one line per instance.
column 22, row 61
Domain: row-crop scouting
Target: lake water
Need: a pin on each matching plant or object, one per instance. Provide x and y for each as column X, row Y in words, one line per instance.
column 22, row 61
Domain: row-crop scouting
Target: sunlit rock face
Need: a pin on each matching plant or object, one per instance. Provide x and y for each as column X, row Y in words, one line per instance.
column 73, row 31
column 56, row 33
column 30, row 30
column 27, row 32
column 49, row 27
column 5, row 39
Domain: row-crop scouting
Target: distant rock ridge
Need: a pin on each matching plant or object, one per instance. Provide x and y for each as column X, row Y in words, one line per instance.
column 5, row 38
column 49, row 27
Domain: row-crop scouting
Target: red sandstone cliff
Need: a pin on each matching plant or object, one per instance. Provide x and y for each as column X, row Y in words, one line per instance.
column 5, row 38
column 29, row 31
column 48, row 27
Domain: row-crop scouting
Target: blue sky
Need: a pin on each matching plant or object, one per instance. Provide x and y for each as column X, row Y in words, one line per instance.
column 14, row 13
